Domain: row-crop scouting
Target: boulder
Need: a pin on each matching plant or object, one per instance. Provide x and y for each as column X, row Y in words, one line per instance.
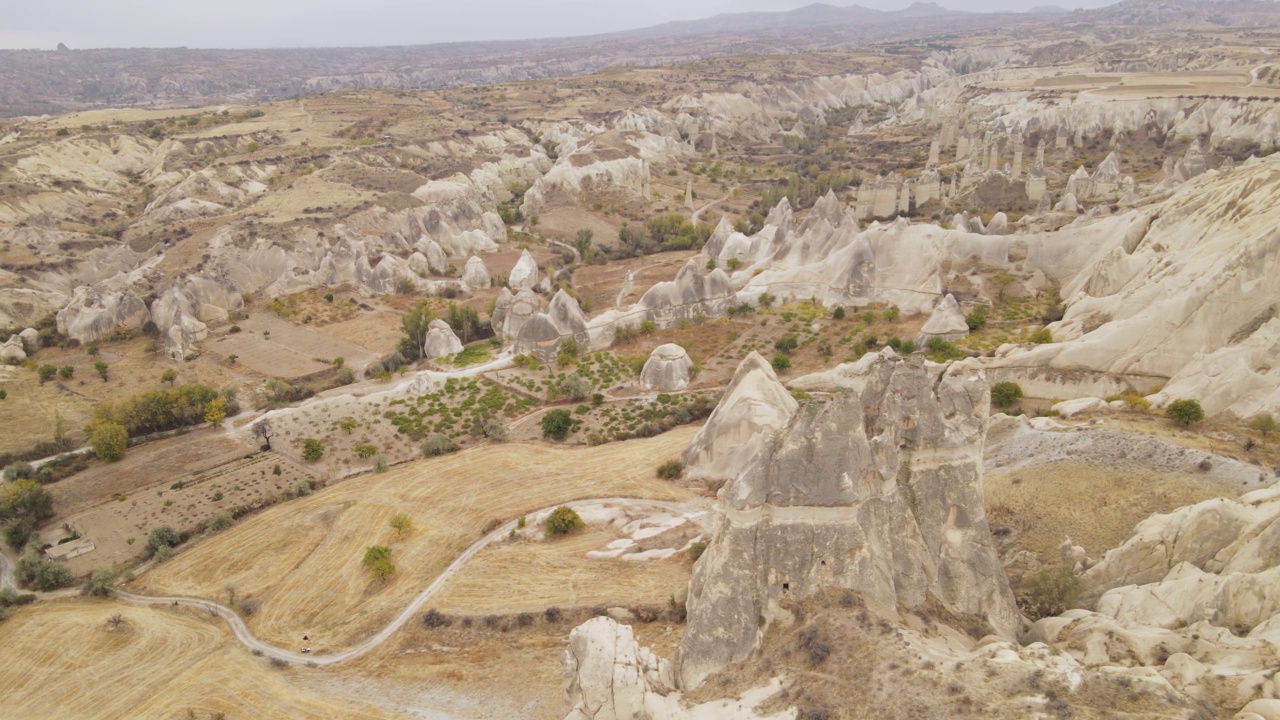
column 95, row 312
column 476, row 275
column 31, row 338
column 440, row 340
column 608, row 674
column 946, row 322
column 12, row 351
column 1071, row 408
column 876, row 488
column 668, row 368
column 754, row 405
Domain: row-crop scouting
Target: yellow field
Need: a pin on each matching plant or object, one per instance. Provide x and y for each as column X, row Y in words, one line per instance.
column 558, row 573
column 302, row 559
column 1097, row 506
column 64, row 662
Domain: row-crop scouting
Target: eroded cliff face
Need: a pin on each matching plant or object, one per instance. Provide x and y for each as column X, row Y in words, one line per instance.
column 875, row 486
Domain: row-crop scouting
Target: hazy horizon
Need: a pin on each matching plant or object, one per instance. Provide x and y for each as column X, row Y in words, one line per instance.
column 241, row 24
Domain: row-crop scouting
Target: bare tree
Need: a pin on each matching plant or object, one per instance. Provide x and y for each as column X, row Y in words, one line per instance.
column 231, row 593
column 114, row 621
column 263, row 431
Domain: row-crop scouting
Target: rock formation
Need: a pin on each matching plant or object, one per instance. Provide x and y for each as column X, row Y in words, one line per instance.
column 946, row 321
column 753, row 406
column 12, row 351
column 542, row 333
column 440, row 340
column 475, row 275
column 668, row 369
column 877, row 490
column 524, row 274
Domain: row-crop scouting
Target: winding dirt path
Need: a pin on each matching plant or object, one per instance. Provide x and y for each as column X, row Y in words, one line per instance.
column 249, row 640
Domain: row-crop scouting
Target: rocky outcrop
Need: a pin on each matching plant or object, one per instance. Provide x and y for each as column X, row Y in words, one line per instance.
column 668, row 369
column 95, row 312
column 440, row 340
column 877, row 489
column 542, row 333
column 689, row 295
column 608, row 674
column 511, row 312
column 946, row 322
column 12, row 351
column 753, row 407
column 524, row 274
column 476, row 275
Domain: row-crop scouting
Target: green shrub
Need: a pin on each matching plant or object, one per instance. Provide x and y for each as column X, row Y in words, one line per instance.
column 46, row 373
column 379, row 463
column 220, row 520
column 302, row 488
column 377, row 559
column 1041, row 336
column 437, row 444
column 976, row 319
column 696, row 549
column 670, row 470
column 1053, row 591
column 1184, row 412
column 556, row 424
column 941, row 351
column 562, row 521
column 647, row 327
column 781, row 362
column 1004, row 394
column 162, row 536
column 838, row 313
column 312, row 449
column 786, row 344
column 1263, row 423
column 100, row 582
column 365, row 451
column 108, row 441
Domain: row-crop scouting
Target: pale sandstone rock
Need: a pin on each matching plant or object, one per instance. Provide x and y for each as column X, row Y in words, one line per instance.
column 946, row 321
column 877, row 490
column 524, row 275
column 440, row 340
column 754, row 405
column 476, row 275
column 669, row 368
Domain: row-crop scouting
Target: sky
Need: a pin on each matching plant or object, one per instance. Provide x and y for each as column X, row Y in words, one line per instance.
column 42, row 24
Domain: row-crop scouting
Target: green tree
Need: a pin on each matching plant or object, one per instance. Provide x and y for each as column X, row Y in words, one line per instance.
column 377, row 559
column 46, row 373
column 25, row 498
column 169, row 376
column 18, row 533
column 1263, row 423
column 556, row 424
column 221, row 520
column 401, row 523
column 312, row 449
column 562, row 521
column 66, row 372
column 1004, row 394
column 437, row 444
column 100, row 582
column 977, row 318
column 161, row 536
column 108, row 441
column 1184, row 412
column 53, row 575
column 101, row 367
column 781, row 362
column 215, row 412
column 415, row 325
column 582, row 243
column 464, row 321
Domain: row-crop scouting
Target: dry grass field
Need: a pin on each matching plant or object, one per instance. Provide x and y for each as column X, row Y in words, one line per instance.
column 274, row 347
column 557, row 573
column 1096, row 506
column 159, row 663
column 301, row 560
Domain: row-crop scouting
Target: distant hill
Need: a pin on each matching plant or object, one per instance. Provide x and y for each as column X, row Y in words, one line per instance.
column 1048, row 10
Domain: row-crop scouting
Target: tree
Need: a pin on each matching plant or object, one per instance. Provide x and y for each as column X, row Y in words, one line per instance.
column 464, row 321
column 781, row 362
column 100, row 582
column 101, row 367
column 377, row 558
column 1184, row 412
column 24, row 498
column 402, row 524
column 66, row 372
column 169, row 376
column 556, row 424
column 215, row 412
column 670, row 470
column 18, row 533
column 1263, row 423
column 312, row 449
column 263, row 431
column 415, row 325
column 582, row 243
column 114, row 621
column 1004, row 394
column 562, row 521
column 160, row 537
column 1053, row 591
column 46, row 373
column 108, row 441
column 977, row 318
column 53, row 575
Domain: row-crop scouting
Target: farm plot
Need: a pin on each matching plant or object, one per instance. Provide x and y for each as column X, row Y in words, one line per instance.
column 271, row 346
